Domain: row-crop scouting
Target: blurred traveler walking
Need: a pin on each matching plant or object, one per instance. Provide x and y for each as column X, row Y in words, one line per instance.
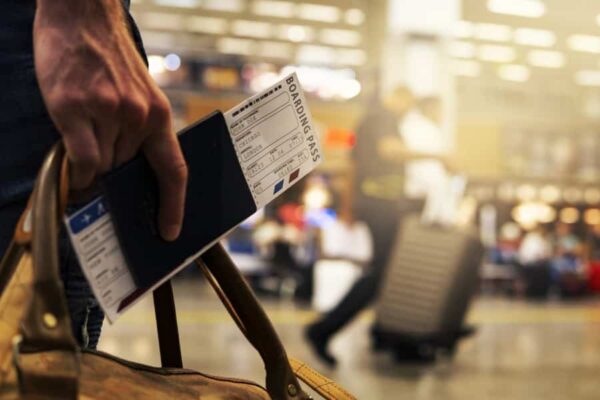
column 377, row 190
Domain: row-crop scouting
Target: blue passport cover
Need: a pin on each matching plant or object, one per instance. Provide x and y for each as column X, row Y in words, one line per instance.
column 218, row 199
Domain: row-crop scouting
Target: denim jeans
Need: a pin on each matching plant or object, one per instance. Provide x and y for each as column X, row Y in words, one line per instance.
column 26, row 135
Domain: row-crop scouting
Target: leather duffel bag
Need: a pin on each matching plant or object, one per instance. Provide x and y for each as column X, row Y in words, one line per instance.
column 39, row 358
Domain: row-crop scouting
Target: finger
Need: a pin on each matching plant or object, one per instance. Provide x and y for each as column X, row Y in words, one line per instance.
column 166, row 159
column 106, row 132
column 134, row 115
column 83, row 153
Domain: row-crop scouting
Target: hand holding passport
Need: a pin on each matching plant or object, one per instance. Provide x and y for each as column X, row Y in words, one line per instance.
column 238, row 162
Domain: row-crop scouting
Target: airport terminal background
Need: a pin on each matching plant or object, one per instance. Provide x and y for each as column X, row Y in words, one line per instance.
column 507, row 91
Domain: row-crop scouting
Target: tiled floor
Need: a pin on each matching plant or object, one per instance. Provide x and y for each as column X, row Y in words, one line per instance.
column 547, row 351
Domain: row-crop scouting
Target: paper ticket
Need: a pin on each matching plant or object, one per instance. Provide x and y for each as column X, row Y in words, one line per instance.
column 276, row 145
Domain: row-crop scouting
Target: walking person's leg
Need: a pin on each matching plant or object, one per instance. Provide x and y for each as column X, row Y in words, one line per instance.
column 383, row 225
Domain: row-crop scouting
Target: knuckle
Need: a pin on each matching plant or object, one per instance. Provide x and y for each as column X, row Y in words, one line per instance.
column 161, row 109
column 134, row 109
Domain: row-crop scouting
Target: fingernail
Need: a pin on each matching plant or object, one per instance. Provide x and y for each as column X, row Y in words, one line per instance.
column 171, row 232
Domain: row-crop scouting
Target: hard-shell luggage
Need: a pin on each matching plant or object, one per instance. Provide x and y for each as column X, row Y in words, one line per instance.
column 429, row 283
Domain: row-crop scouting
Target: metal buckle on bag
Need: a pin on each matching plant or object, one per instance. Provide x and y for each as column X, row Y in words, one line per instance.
column 64, row 386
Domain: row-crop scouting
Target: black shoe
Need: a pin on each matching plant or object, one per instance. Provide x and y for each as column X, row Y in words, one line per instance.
column 318, row 343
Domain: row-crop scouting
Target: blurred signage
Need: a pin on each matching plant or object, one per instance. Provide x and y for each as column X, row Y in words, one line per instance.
column 221, row 78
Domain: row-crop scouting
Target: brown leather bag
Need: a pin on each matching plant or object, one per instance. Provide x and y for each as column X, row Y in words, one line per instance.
column 39, row 358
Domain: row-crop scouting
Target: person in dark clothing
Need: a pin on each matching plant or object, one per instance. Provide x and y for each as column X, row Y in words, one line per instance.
column 72, row 69
column 377, row 195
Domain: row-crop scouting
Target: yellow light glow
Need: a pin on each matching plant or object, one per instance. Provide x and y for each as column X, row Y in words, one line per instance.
column 493, row 32
column 514, row 73
column 584, row 43
column 519, row 8
column 535, row 37
column 546, row 59
column 592, row 216
column 496, row 53
column 569, row 215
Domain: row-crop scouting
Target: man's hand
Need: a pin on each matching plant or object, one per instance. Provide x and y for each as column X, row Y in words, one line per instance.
column 103, row 101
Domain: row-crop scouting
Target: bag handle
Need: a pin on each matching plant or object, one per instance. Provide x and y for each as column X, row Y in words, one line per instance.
column 253, row 322
column 46, row 324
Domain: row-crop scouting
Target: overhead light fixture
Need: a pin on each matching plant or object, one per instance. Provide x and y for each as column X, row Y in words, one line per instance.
column 212, row 25
column 177, row 3
column 496, row 53
column 588, row 78
column 172, row 62
column 550, row 194
column 340, row 37
column 493, row 32
column 464, row 29
column 275, row 50
column 296, row 33
column 592, row 217
column 514, row 73
column 319, row 13
column 228, row 45
column 466, row 68
column 224, row 5
column 546, row 58
column 535, row 37
column 355, row 16
column 462, row 50
column 279, row 9
column 585, row 43
column 519, row 8
column 248, row 28
column 162, row 21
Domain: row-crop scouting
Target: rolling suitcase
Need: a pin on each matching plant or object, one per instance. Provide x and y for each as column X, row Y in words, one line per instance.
column 430, row 280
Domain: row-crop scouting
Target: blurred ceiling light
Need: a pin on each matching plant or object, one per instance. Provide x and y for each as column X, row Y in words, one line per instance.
column 229, row 45
column 312, row 54
column 546, row 58
column 224, row 5
column 550, row 194
column 340, row 37
column 588, row 78
column 251, row 28
column 464, row 29
column 178, row 3
column 535, row 37
column 592, row 216
column 471, row 69
column 462, row 50
column 519, row 8
column 493, row 32
column 354, row 57
column 569, row 215
column 526, row 193
column 275, row 50
column 592, row 196
column 350, row 89
column 496, row 53
column 514, row 73
column 157, row 20
column 172, row 62
column 215, row 26
column 531, row 214
column 296, row 33
column 156, row 65
column 319, row 12
column 573, row 195
column 280, row 9
column 355, row 16
column 584, row 43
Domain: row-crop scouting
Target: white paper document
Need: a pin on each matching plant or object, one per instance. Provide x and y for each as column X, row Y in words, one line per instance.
column 276, row 144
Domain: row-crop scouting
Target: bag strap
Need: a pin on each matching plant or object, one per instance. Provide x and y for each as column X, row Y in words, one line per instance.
column 254, row 323
column 46, row 324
